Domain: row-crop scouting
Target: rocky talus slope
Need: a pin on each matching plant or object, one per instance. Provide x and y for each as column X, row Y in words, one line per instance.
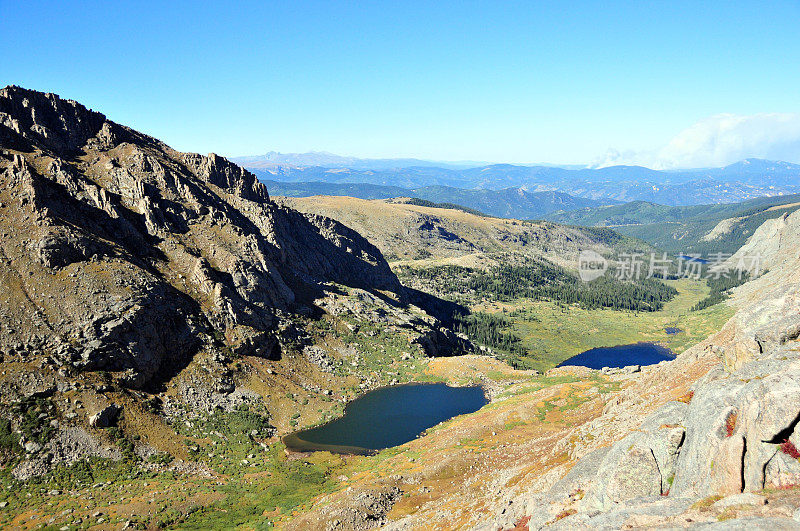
column 126, row 263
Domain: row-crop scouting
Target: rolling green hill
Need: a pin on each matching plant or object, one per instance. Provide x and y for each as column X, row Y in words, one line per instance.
column 698, row 228
column 506, row 203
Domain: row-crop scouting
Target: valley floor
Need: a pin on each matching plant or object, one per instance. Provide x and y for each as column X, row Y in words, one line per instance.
column 551, row 332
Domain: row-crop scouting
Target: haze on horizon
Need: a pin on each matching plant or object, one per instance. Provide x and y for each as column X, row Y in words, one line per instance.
column 668, row 86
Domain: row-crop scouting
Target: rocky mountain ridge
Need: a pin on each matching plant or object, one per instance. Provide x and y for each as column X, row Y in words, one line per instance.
column 171, row 244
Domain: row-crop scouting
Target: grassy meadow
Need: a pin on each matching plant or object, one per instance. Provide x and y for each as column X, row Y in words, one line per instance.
column 551, row 332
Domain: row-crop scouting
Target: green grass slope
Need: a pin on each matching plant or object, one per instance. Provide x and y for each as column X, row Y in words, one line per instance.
column 685, row 228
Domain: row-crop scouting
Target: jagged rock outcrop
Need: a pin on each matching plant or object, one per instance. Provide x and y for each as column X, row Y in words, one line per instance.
column 124, row 255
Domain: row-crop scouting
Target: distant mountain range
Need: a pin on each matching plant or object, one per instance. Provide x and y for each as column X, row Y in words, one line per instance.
column 743, row 180
column 697, row 228
column 323, row 159
column 506, row 203
column 721, row 227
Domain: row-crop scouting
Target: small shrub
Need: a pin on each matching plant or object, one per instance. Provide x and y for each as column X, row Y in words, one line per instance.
column 563, row 514
column 670, row 481
column 790, row 449
column 160, row 458
column 730, row 423
column 240, row 421
column 124, row 444
column 422, row 254
column 7, row 439
column 686, row 398
column 34, row 414
column 706, row 503
column 522, row 524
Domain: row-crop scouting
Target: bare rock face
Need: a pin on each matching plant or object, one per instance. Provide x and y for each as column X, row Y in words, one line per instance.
column 736, row 435
column 776, row 242
column 735, row 427
column 769, row 308
column 738, row 431
column 105, row 417
column 121, row 254
column 47, row 120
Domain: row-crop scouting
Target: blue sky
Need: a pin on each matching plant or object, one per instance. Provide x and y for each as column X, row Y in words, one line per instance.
column 561, row 82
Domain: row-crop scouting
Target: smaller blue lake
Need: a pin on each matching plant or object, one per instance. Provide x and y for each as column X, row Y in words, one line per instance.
column 671, row 330
column 692, row 259
column 621, row 356
column 388, row 417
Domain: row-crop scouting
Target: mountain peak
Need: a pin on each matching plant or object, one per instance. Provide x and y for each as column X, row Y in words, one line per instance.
column 167, row 244
column 45, row 118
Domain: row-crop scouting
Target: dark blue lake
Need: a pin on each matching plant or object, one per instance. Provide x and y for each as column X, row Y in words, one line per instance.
column 692, row 258
column 621, row 356
column 388, row 417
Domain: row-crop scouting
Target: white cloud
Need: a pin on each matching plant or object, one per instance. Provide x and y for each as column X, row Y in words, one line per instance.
column 720, row 140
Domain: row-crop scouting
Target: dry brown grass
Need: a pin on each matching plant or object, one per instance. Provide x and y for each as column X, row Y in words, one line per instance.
column 563, row 514
column 706, row 502
column 686, row 398
column 393, row 226
column 730, row 423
